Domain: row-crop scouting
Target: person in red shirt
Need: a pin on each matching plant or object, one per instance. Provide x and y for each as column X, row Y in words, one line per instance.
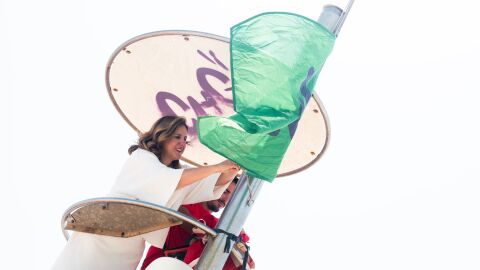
column 182, row 243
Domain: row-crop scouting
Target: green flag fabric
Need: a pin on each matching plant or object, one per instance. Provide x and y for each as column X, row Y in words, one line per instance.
column 275, row 61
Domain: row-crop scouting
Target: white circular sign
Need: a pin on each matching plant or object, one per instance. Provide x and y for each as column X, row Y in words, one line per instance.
column 188, row 74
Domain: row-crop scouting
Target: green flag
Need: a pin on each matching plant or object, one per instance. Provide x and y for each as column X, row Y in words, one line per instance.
column 275, row 62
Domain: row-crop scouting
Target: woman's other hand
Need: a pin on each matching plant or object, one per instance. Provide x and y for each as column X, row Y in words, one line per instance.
column 228, row 170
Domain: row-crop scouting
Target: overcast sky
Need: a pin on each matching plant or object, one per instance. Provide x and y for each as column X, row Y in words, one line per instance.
column 397, row 187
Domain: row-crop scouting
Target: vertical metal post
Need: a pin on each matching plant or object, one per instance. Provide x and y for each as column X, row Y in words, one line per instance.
column 232, row 220
column 333, row 17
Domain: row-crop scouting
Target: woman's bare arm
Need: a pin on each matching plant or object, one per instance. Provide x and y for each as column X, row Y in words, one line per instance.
column 192, row 175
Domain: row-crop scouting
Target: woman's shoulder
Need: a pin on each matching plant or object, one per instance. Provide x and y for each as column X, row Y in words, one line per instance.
column 139, row 152
column 144, row 156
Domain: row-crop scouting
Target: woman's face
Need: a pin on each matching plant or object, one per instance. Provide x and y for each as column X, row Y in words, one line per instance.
column 173, row 148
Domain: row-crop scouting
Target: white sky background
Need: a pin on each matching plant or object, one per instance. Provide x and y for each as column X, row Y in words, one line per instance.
column 398, row 187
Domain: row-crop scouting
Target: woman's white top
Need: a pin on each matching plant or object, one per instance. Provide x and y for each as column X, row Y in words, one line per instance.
column 145, row 178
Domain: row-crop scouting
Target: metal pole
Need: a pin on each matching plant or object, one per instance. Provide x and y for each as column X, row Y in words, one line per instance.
column 232, row 220
column 333, row 17
column 343, row 17
column 330, row 17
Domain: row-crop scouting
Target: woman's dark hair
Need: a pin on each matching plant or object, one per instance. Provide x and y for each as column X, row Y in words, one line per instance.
column 162, row 130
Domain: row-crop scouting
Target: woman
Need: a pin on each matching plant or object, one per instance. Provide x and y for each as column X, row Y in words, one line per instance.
column 152, row 173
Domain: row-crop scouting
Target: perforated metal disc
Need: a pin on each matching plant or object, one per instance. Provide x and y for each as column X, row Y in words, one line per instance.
column 121, row 217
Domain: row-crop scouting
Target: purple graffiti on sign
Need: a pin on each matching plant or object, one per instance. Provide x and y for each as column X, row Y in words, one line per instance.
column 306, row 94
column 303, row 100
column 212, row 98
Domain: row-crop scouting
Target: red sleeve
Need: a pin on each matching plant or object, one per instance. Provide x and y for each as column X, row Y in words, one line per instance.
column 195, row 210
column 198, row 212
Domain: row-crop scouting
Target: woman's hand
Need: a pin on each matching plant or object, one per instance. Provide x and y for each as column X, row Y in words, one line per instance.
column 228, row 166
column 228, row 170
